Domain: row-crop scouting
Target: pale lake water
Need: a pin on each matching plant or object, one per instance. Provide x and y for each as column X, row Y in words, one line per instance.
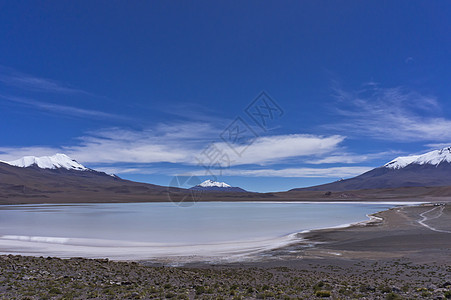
column 155, row 230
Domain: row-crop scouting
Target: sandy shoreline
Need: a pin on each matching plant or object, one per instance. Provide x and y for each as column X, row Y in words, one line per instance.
column 400, row 232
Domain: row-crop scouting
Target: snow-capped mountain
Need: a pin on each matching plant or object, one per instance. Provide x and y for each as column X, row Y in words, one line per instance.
column 56, row 161
column 429, row 169
column 434, row 158
column 210, row 185
column 59, row 178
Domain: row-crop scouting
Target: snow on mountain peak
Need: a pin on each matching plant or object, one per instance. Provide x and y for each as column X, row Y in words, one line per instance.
column 211, row 183
column 56, row 161
column 432, row 158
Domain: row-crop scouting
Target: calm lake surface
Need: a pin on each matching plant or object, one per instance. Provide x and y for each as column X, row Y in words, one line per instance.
column 146, row 230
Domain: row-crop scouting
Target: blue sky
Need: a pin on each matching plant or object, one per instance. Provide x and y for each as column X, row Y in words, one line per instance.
column 146, row 89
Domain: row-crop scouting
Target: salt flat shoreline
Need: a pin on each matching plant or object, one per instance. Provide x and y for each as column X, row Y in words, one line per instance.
column 370, row 239
column 248, row 251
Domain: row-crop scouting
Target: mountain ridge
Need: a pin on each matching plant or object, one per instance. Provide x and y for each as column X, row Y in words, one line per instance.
column 27, row 183
column 429, row 169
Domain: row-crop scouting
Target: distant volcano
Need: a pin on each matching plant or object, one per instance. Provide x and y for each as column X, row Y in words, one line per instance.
column 215, row 186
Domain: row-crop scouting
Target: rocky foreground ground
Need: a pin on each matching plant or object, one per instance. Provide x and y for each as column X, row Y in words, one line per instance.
column 52, row 278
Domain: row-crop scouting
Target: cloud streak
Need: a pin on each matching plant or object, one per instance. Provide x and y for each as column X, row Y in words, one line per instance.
column 276, row 149
column 394, row 114
column 332, row 172
column 62, row 109
column 351, row 158
column 23, row 81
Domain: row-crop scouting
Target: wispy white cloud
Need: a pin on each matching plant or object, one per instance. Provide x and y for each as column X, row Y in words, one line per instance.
column 277, row 148
column 173, row 143
column 352, row 158
column 62, row 109
column 23, row 81
column 333, row 172
column 182, row 144
column 394, row 114
column 436, row 146
column 131, row 170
